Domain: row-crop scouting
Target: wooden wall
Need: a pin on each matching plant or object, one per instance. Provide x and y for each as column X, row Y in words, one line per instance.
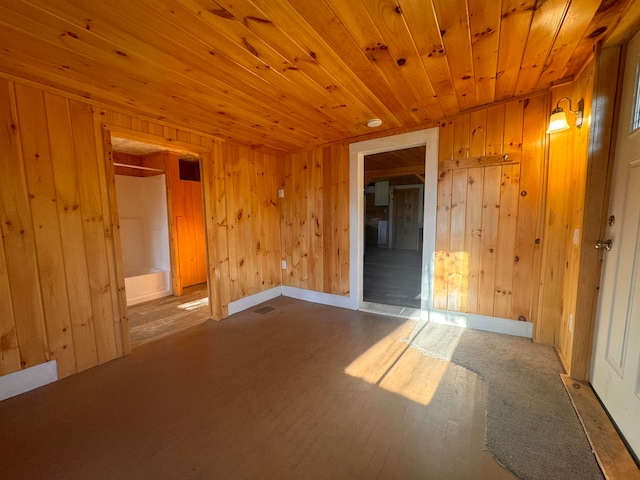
column 59, row 288
column 487, row 239
column 61, row 294
column 247, row 199
column 491, row 168
column 563, row 217
column 315, row 219
column 579, row 163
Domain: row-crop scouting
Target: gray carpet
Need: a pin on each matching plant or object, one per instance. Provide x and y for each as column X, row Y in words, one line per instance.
column 532, row 428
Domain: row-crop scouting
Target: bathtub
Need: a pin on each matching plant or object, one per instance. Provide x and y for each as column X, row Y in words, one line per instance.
column 147, row 284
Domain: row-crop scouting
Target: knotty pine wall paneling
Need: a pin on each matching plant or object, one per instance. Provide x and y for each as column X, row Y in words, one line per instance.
column 568, row 153
column 489, row 186
column 251, row 211
column 589, row 153
column 56, row 234
column 61, row 289
column 315, row 219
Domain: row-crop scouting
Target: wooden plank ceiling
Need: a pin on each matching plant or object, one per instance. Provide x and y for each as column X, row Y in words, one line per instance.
column 290, row 74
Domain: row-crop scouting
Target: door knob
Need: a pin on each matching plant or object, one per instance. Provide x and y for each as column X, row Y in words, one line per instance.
column 606, row 244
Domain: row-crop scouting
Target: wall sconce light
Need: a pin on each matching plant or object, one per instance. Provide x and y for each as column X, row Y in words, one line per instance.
column 558, row 121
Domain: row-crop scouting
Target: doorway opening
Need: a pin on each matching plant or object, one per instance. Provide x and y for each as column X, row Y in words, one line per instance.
column 428, row 140
column 394, row 199
column 160, row 208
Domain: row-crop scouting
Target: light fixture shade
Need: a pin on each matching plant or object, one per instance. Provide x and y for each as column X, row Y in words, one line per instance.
column 374, row 122
column 558, row 121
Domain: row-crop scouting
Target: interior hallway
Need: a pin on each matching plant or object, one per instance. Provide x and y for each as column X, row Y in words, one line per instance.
column 307, row 391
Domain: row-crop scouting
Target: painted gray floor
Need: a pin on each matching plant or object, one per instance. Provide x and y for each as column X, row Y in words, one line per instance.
column 392, row 276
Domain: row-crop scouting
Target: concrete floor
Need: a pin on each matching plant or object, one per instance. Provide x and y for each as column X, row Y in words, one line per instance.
column 307, row 391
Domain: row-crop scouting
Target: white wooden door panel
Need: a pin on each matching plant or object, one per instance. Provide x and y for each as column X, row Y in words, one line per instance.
column 615, row 373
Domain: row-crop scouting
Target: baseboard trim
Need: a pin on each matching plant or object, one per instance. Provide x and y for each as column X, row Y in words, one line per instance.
column 467, row 320
column 480, row 322
column 316, row 297
column 28, row 379
column 245, row 303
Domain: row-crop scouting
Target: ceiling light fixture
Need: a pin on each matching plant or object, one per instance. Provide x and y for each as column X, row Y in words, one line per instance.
column 558, row 121
column 374, row 122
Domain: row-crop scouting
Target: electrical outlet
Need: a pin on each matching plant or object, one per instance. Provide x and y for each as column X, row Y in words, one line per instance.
column 281, row 193
column 571, row 322
column 284, row 264
column 576, row 236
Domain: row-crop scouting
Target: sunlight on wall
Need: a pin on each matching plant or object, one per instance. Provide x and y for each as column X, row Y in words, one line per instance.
column 451, row 280
column 410, row 361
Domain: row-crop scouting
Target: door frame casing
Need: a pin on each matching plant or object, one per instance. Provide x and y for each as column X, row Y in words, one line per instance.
column 357, row 152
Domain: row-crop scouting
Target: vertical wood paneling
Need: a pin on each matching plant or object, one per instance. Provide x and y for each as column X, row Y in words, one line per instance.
column 445, row 140
column 489, row 243
column 505, row 251
column 9, row 350
column 329, row 193
column 527, row 249
column 19, row 240
column 478, row 133
column 461, row 136
column 458, row 264
column 315, row 219
column 473, row 234
column 478, row 214
column 513, row 124
column 221, row 277
column 44, row 214
column 249, row 238
column 94, row 230
column 261, row 266
column 207, row 177
column 495, row 130
column 443, row 235
column 232, row 162
column 343, row 195
column 247, row 199
column 285, row 168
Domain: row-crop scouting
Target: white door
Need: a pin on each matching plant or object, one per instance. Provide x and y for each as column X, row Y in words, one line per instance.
column 616, row 362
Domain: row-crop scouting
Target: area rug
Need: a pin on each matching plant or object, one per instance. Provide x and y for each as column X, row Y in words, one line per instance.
column 532, row 428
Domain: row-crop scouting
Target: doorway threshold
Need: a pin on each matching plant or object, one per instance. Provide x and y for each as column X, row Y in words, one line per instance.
column 391, row 310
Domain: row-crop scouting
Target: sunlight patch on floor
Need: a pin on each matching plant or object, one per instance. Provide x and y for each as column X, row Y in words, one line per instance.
column 410, row 361
column 202, row 302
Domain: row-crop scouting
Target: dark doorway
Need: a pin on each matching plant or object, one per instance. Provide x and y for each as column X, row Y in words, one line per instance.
column 394, row 197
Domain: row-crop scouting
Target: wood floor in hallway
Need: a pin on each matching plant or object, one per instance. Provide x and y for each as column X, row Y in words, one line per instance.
column 306, row 391
column 156, row 319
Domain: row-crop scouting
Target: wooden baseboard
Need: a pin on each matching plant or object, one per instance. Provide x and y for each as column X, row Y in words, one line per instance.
column 610, row 451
